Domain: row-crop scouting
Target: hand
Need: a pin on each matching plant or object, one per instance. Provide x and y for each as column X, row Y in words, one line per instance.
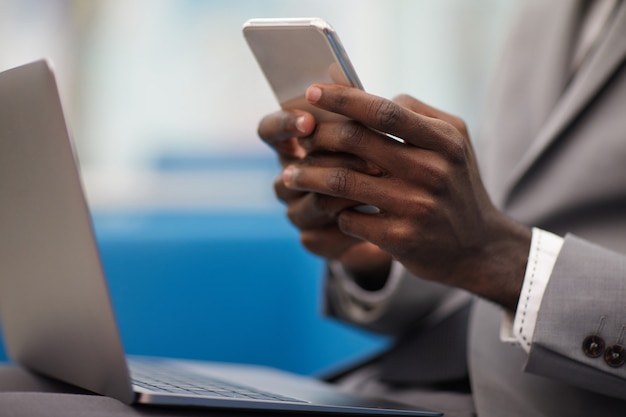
column 436, row 217
column 311, row 213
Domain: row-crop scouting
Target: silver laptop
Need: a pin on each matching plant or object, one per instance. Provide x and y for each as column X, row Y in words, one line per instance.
column 55, row 310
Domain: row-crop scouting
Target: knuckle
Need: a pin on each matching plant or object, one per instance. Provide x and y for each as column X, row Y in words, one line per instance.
column 428, row 210
column 453, row 145
column 403, row 98
column 439, row 178
column 351, row 133
column 423, row 210
column 342, row 100
column 341, row 181
column 385, row 112
column 459, row 124
column 401, row 235
column 396, row 237
column 457, row 152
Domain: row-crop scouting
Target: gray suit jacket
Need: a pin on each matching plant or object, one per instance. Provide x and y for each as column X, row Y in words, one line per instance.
column 553, row 155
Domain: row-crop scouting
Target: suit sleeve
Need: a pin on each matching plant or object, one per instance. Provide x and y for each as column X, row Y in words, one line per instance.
column 586, row 296
column 401, row 304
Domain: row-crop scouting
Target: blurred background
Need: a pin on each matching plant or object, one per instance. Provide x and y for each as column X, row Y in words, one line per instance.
column 163, row 100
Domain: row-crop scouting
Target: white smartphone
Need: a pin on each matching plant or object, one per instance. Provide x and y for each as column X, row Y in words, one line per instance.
column 294, row 53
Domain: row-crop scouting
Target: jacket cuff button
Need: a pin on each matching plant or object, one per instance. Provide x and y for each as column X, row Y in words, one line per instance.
column 615, row 355
column 593, row 346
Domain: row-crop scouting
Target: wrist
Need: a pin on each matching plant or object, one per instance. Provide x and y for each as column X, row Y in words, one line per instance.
column 497, row 274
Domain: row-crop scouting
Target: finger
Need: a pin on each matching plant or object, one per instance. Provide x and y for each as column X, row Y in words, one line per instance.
column 284, row 124
column 375, row 153
column 324, row 203
column 281, row 129
column 383, row 115
column 335, row 159
column 329, row 243
column 366, row 227
column 308, row 210
column 284, row 194
column 420, row 107
column 338, row 182
column 332, row 206
column 389, row 194
column 305, row 215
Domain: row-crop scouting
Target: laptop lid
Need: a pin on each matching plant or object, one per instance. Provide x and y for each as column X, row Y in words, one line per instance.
column 54, row 305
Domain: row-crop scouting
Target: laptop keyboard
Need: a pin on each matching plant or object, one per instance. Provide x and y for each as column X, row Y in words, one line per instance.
column 162, row 378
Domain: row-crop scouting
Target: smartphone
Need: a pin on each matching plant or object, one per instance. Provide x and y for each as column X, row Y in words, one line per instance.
column 294, row 53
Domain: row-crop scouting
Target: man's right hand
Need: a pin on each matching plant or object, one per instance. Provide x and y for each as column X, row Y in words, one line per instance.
column 313, row 214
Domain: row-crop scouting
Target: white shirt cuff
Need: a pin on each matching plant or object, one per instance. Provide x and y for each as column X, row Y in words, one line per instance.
column 362, row 305
column 362, row 295
column 544, row 250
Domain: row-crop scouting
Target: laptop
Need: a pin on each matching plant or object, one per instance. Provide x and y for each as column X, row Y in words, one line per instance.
column 55, row 309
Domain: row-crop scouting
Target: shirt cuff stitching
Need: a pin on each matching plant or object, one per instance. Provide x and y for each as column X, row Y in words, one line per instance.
column 530, row 287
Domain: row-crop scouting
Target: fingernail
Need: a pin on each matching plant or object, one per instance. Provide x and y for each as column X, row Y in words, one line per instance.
column 313, row 94
column 288, row 175
column 300, row 124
